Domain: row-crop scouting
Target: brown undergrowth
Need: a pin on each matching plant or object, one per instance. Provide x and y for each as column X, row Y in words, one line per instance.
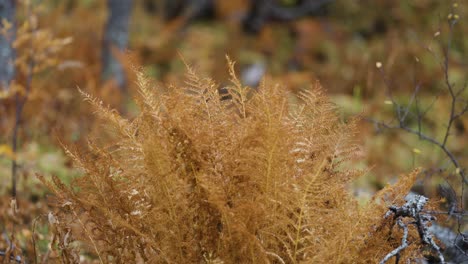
column 247, row 177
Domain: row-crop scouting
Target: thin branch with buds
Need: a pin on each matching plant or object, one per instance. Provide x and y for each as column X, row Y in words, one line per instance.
column 458, row 108
column 402, row 112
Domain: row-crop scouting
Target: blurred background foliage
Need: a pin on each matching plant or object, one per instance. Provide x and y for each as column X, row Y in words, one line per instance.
column 356, row 49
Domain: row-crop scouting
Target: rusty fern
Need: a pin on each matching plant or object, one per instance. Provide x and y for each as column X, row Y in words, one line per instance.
column 254, row 177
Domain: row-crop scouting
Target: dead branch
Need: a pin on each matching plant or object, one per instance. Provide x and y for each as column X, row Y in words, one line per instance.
column 413, row 209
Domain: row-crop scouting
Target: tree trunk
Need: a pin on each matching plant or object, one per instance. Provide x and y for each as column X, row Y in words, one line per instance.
column 262, row 11
column 190, row 9
column 115, row 38
column 7, row 53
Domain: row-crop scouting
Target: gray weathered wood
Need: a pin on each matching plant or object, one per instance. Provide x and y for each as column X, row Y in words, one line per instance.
column 115, row 37
column 7, row 53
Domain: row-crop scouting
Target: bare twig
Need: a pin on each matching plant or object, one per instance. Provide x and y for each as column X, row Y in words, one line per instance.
column 453, row 116
column 456, row 243
column 458, row 107
column 424, row 137
column 20, row 101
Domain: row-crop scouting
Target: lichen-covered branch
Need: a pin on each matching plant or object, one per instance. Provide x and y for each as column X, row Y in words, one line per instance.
column 413, row 209
column 404, row 243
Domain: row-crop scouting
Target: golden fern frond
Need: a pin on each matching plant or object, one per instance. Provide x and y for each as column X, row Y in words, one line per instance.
column 239, row 94
column 396, row 193
column 75, row 157
column 318, row 106
column 202, row 97
column 147, row 93
column 303, row 207
column 196, row 83
column 111, row 115
column 232, row 73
